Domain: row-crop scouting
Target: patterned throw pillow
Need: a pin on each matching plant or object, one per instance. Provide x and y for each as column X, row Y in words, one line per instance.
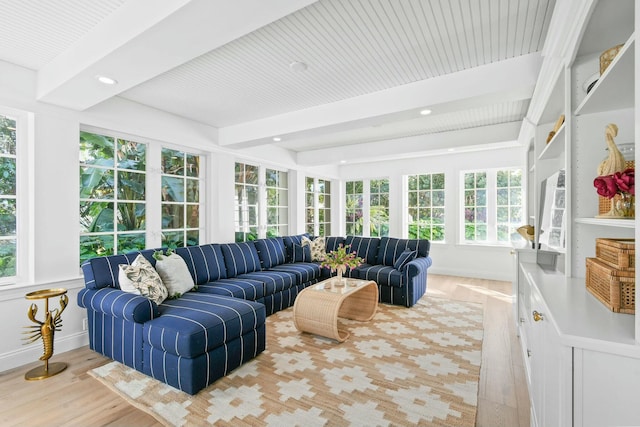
column 143, row 278
column 301, row 253
column 317, row 245
column 174, row 274
column 405, row 258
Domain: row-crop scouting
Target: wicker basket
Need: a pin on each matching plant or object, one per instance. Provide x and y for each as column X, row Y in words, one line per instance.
column 617, row 253
column 607, row 56
column 614, row 288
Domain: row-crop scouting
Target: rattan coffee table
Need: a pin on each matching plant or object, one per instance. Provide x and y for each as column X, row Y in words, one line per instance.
column 317, row 308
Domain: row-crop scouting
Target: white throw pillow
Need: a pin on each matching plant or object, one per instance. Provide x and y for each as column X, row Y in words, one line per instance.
column 318, row 248
column 174, row 274
column 142, row 279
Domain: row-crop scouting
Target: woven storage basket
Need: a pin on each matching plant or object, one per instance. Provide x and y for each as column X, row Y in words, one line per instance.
column 607, row 56
column 617, row 253
column 614, row 288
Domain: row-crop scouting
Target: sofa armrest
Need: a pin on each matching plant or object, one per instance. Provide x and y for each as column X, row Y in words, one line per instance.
column 119, row 304
column 418, row 265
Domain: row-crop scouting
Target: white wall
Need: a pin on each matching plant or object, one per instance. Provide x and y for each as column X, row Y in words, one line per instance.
column 51, row 200
column 489, row 262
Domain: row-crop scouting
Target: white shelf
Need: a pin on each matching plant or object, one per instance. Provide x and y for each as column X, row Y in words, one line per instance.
column 555, row 147
column 614, row 90
column 622, row 223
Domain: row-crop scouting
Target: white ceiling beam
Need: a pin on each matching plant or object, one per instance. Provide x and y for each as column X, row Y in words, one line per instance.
column 473, row 139
column 512, row 75
column 145, row 38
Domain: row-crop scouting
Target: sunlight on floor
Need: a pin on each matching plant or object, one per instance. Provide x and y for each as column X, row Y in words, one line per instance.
column 506, row 297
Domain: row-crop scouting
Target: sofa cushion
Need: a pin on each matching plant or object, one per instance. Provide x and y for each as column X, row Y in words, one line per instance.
column 274, row 281
column 288, row 245
column 381, row 274
column 235, row 287
column 364, row 247
column 141, row 278
column 405, row 258
column 317, row 247
column 240, row 258
column 301, row 253
column 102, row 272
column 271, row 251
column 174, row 274
column 198, row 322
column 205, row 262
column 390, row 249
column 332, row 243
column 305, row 272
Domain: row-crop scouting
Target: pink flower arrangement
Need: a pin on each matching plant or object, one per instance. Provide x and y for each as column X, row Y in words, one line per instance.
column 341, row 259
column 618, row 183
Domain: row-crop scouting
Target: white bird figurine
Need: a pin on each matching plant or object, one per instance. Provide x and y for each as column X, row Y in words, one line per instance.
column 615, row 162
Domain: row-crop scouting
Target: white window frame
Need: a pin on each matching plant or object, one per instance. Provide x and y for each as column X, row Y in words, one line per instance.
column 406, row 207
column 316, row 206
column 366, row 204
column 492, row 206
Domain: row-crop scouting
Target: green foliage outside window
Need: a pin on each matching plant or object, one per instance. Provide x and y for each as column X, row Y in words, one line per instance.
column 426, row 206
column 8, row 202
column 112, row 195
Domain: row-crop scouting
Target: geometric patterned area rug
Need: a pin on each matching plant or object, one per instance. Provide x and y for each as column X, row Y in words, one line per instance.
column 407, row 366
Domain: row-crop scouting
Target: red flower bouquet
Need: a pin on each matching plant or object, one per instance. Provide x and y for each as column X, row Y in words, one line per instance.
column 622, row 183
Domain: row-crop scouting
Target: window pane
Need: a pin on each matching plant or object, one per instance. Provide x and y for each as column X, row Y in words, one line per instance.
column 96, row 217
column 7, row 176
column 7, row 258
column 193, row 167
column 131, row 216
column 172, row 162
column 193, row 190
column 96, row 149
column 173, row 239
column 172, row 189
column 413, row 182
column 131, row 155
column 131, row 186
column 251, row 174
column 193, row 238
column 193, row 216
column 172, row 216
column 424, row 182
column 96, row 245
column 7, row 217
column 7, row 138
column 481, row 197
column 96, row 183
column 131, row 242
column 503, row 197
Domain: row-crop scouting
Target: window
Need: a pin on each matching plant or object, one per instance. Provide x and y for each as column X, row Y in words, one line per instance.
column 112, row 195
column 277, row 183
column 180, row 198
column 318, row 206
column 246, row 201
column 354, row 210
column 379, row 208
column 8, row 200
column 492, row 206
column 114, row 185
column 367, row 207
column 262, row 202
column 426, row 206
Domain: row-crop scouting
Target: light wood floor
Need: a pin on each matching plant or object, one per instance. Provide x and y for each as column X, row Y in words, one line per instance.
column 73, row 398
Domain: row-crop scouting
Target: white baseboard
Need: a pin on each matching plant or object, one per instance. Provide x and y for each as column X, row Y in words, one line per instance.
column 16, row 358
column 506, row 276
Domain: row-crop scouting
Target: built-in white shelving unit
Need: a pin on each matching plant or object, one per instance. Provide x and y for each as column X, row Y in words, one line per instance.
column 582, row 360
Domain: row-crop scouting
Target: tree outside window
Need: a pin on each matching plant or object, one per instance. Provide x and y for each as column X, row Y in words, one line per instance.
column 246, row 202
column 318, row 206
column 8, row 199
column 379, row 207
column 180, row 198
column 426, row 206
column 112, row 195
column 475, row 206
column 277, row 184
column 354, row 218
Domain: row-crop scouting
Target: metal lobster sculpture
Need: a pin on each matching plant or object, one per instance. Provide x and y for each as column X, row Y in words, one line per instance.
column 46, row 329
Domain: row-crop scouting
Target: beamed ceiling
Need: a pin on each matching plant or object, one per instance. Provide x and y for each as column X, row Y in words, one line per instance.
column 371, row 67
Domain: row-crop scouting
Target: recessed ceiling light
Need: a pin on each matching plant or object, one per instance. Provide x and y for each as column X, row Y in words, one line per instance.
column 106, row 80
column 277, row 139
column 425, row 112
column 343, row 161
column 298, row 66
column 451, row 149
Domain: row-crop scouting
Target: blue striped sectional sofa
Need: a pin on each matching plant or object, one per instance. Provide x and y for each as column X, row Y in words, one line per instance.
column 191, row 341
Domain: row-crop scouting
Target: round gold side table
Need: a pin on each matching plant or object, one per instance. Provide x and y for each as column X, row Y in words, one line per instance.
column 45, row 329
